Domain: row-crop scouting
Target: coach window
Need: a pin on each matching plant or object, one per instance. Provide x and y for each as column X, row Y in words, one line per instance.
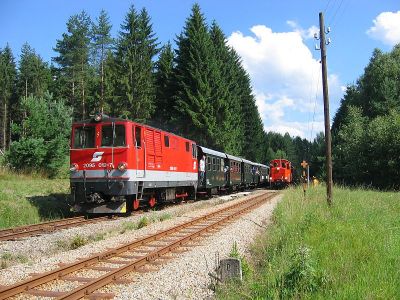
column 84, row 137
column 208, row 164
column 166, row 140
column 113, row 136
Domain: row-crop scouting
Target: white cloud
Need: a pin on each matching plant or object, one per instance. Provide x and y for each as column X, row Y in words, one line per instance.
column 286, row 78
column 305, row 33
column 301, row 129
column 386, row 28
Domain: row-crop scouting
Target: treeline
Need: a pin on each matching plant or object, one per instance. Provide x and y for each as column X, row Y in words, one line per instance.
column 199, row 89
column 366, row 128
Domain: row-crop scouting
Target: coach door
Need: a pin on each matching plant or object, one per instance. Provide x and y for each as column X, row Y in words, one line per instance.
column 139, row 148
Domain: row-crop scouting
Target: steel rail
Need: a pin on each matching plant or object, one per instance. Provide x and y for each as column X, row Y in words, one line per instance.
column 46, row 227
column 90, row 287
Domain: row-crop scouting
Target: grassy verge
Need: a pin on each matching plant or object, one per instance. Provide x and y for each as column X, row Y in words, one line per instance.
column 348, row 251
column 31, row 199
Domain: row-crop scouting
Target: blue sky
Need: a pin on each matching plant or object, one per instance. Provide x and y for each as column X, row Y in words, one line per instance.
column 274, row 39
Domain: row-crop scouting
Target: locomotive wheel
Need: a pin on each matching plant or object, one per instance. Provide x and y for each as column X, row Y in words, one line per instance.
column 135, row 204
column 152, row 202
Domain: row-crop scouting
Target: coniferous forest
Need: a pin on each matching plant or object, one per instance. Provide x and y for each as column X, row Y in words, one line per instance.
column 198, row 89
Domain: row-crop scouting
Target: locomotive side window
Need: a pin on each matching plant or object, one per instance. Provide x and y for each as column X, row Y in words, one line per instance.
column 187, row 146
column 138, row 137
column 113, row 136
column 84, row 137
column 194, row 151
column 166, row 140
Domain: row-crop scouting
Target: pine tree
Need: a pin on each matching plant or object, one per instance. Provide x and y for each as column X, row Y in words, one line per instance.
column 136, row 48
column 102, row 43
column 165, row 85
column 194, row 102
column 252, row 124
column 73, row 60
column 111, row 81
column 34, row 74
column 8, row 76
column 223, row 84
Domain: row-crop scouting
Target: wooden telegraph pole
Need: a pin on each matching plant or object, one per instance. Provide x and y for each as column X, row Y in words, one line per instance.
column 328, row 147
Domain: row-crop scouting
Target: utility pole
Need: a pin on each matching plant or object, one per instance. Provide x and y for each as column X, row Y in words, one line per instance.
column 328, row 147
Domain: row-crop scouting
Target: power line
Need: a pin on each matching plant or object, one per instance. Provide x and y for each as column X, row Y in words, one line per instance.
column 327, row 5
column 335, row 13
column 311, row 98
column 334, row 24
column 315, row 105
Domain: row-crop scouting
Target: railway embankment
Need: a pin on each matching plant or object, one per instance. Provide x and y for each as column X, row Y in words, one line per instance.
column 347, row 251
column 30, row 199
column 185, row 275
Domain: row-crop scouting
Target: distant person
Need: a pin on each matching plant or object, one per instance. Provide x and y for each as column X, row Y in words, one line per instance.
column 202, row 168
column 226, row 172
column 315, row 181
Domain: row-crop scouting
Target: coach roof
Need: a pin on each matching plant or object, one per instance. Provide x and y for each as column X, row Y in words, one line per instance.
column 212, row 152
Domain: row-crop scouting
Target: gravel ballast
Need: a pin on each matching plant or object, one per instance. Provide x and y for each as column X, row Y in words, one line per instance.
column 185, row 277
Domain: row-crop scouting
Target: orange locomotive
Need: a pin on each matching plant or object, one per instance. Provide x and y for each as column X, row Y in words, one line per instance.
column 281, row 173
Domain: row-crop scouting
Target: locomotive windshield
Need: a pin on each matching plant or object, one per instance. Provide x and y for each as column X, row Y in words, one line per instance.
column 84, row 137
column 113, row 136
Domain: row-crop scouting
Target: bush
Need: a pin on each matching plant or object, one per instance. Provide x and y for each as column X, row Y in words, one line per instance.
column 27, row 154
column 44, row 136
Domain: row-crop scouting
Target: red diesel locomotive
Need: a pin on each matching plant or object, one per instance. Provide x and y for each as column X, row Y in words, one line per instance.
column 117, row 164
column 281, row 173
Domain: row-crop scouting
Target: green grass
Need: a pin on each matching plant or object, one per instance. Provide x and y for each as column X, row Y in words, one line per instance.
column 311, row 251
column 8, row 258
column 28, row 199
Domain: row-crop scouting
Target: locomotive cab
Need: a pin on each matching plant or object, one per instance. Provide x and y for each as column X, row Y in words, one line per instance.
column 99, row 166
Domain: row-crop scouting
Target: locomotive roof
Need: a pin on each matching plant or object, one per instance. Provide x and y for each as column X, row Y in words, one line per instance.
column 280, row 159
column 106, row 118
column 212, row 152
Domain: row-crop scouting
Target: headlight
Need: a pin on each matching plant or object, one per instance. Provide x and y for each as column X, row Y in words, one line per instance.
column 98, row 117
column 277, row 168
column 73, row 167
column 122, row 166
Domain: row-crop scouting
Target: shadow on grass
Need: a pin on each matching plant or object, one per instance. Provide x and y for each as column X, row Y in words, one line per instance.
column 53, row 206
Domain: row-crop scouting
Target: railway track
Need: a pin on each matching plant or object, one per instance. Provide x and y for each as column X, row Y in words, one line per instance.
column 115, row 263
column 46, row 227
